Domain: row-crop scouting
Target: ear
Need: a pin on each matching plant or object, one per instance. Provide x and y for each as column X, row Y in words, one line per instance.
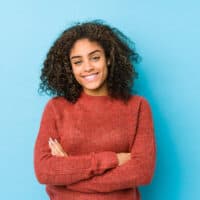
column 108, row 62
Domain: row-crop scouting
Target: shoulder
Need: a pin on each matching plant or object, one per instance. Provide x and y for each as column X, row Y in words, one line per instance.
column 58, row 100
column 138, row 99
column 139, row 103
column 57, row 103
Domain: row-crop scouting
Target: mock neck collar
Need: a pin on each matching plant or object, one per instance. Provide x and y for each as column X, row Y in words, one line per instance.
column 86, row 96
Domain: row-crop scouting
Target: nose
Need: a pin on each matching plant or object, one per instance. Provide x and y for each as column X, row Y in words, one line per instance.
column 88, row 66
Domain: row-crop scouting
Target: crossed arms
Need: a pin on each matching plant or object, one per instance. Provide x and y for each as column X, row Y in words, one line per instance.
column 96, row 172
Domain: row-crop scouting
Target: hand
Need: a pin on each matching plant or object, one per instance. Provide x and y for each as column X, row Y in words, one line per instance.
column 56, row 148
column 123, row 158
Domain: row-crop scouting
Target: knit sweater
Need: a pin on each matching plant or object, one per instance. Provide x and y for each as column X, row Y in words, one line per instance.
column 92, row 131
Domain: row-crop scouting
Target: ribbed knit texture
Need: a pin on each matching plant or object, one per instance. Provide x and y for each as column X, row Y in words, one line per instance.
column 92, row 131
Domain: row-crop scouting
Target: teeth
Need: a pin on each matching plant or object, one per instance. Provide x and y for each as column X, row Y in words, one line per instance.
column 90, row 77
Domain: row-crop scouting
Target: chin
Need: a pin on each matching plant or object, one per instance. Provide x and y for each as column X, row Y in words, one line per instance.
column 92, row 86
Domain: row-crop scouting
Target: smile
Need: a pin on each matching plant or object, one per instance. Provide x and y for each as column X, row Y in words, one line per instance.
column 91, row 77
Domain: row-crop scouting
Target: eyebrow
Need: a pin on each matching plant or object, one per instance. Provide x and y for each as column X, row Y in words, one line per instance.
column 88, row 54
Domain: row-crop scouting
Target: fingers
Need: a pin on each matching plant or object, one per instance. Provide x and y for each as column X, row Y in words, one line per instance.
column 54, row 144
column 53, row 149
column 56, row 148
column 123, row 158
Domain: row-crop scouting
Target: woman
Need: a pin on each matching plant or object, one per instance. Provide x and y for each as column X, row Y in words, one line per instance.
column 96, row 139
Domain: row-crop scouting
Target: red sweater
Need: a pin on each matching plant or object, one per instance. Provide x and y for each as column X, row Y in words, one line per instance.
column 91, row 132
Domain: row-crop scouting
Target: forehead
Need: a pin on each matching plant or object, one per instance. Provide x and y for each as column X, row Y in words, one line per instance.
column 84, row 47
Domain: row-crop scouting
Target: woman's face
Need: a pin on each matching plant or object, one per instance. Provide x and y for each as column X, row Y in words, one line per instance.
column 89, row 66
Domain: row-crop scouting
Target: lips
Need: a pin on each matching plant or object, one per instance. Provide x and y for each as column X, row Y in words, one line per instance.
column 90, row 77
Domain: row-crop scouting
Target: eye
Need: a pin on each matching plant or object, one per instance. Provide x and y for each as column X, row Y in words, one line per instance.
column 96, row 58
column 77, row 62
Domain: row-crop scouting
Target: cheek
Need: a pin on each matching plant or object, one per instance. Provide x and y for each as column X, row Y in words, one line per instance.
column 105, row 71
column 76, row 74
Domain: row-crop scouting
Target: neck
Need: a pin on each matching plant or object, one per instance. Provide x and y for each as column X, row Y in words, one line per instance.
column 96, row 93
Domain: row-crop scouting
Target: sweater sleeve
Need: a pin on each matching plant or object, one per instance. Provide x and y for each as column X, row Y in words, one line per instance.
column 65, row 170
column 135, row 172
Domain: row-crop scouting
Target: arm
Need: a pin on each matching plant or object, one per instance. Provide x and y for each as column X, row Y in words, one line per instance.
column 137, row 171
column 69, row 169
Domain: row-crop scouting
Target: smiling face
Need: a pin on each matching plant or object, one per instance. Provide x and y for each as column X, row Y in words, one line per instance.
column 89, row 66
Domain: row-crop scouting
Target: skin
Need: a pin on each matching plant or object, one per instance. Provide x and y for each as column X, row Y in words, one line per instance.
column 88, row 58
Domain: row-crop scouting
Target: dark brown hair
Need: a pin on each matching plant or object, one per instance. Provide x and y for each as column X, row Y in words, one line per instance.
column 57, row 77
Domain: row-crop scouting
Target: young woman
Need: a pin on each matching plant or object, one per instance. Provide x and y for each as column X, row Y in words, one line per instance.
column 96, row 138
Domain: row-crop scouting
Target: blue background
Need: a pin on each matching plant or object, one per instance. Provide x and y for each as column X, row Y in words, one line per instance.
column 167, row 36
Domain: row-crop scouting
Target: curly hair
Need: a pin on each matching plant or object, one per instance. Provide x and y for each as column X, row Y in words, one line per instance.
column 57, row 77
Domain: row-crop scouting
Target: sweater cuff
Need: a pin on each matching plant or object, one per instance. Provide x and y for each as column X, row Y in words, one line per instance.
column 103, row 161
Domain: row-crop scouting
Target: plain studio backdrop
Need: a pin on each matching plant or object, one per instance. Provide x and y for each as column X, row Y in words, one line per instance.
column 166, row 35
